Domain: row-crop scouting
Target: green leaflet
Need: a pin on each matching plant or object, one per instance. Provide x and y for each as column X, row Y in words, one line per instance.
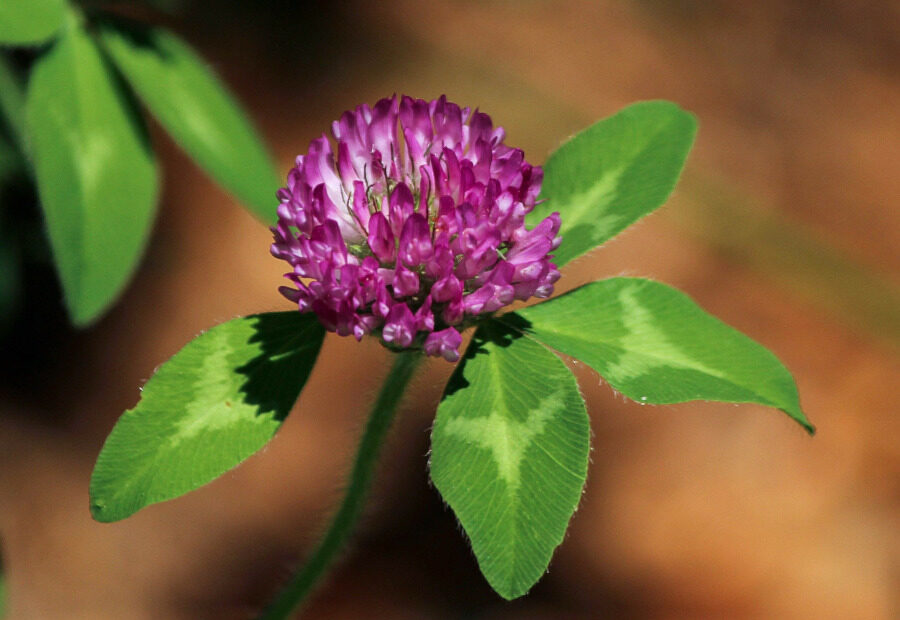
column 216, row 402
column 509, row 454
column 197, row 110
column 12, row 104
column 613, row 173
column 29, row 22
column 96, row 175
column 655, row 345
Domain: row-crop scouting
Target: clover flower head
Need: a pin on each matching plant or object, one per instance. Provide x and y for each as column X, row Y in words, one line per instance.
column 411, row 225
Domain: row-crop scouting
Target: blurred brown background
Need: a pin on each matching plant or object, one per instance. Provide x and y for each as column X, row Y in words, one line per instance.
column 785, row 225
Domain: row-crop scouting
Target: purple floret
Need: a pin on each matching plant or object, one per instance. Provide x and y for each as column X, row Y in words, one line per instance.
column 415, row 228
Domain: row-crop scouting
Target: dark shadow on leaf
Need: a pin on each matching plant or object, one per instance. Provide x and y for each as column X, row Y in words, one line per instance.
column 515, row 322
column 139, row 35
column 289, row 343
column 492, row 333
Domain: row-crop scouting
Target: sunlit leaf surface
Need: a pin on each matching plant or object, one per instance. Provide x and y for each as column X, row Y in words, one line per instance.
column 655, row 345
column 509, row 454
column 613, row 173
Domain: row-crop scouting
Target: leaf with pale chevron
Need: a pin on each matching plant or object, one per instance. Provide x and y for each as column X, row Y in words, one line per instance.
column 509, row 454
column 613, row 173
column 655, row 345
column 216, row 402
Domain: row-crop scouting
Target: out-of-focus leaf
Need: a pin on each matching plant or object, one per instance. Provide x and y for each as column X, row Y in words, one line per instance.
column 9, row 278
column 28, row 22
column 613, row 173
column 216, row 402
column 12, row 102
column 96, row 176
column 655, row 345
column 10, row 163
column 509, row 453
column 197, row 109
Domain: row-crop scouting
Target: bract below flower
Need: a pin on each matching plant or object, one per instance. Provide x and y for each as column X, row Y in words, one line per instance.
column 411, row 225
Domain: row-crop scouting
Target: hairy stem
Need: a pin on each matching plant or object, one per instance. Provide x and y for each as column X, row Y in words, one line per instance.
column 302, row 583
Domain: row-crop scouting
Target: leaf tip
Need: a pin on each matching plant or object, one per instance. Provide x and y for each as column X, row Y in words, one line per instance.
column 512, row 587
column 98, row 511
column 507, row 595
column 797, row 414
column 809, row 427
column 103, row 512
column 87, row 308
column 83, row 317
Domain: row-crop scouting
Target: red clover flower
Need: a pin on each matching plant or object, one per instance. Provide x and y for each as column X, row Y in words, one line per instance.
column 416, row 228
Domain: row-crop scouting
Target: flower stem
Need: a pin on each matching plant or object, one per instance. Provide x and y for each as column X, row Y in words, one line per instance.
column 301, row 584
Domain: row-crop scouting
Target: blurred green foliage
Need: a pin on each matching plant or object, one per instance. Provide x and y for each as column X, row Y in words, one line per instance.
column 85, row 143
column 29, row 22
column 95, row 170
